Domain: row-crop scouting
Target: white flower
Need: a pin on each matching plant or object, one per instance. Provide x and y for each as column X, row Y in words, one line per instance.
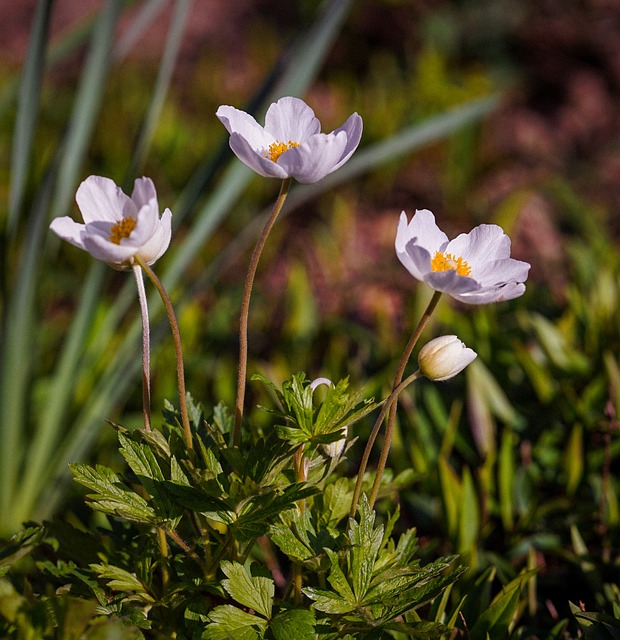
column 333, row 449
column 291, row 144
column 117, row 227
column 475, row 267
column 444, row 357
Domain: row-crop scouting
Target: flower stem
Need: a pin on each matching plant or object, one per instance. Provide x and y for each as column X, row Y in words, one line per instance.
column 392, row 409
column 387, row 404
column 174, row 326
column 146, row 348
column 245, row 309
column 301, row 474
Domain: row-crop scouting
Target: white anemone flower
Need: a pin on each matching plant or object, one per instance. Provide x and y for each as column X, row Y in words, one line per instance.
column 444, row 357
column 475, row 267
column 291, row 144
column 116, row 227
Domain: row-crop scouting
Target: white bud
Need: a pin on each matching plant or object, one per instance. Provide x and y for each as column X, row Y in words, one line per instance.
column 444, row 357
column 334, row 449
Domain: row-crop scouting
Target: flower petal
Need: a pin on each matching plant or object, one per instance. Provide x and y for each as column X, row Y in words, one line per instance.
column 421, row 231
column 100, row 199
column 159, row 241
column 243, row 124
column 255, row 159
column 143, row 192
column 502, row 271
column 291, row 119
column 450, row 282
column 68, row 229
column 353, row 127
column 493, row 294
column 315, row 158
column 102, row 249
column 484, row 243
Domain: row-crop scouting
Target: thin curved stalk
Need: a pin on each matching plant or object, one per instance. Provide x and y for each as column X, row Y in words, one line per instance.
column 389, row 401
column 146, row 348
column 178, row 348
column 245, row 308
column 389, row 431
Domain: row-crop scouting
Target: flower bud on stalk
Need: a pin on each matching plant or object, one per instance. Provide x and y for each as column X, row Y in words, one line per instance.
column 444, row 357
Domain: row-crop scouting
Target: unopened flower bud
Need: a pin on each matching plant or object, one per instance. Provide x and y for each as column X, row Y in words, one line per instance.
column 444, row 357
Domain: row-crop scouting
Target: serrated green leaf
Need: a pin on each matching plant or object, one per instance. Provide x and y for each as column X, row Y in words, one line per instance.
column 295, row 624
column 121, row 580
column 112, row 495
column 231, row 623
column 365, row 541
column 328, row 601
column 337, row 578
column 250, row 591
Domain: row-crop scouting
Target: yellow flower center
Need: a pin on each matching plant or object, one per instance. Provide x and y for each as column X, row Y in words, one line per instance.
column 447, row 262
column 122, row 229
column 277, row 148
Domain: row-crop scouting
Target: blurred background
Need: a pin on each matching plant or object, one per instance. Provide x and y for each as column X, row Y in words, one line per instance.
column 480, row 110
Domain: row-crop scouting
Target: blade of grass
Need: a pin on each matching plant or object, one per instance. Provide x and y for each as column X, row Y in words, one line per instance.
column 27, row 109
column 169, row 58
column 47, row 432
column 147, row 13
column 86, row 106
column 18, row 353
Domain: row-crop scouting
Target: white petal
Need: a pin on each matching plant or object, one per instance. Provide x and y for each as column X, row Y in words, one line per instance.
column 493, row 294
column 102, row 249
column 291, row 119
column 450, row 282
column 416, row 260
column 243, row 124
column 315, row 158
column 484, row 243
column 502, row 271
column 143, row 192
column 255, row 159
column 100, row 199
column 353, row 128
column 159, row 241
column 69, row 230
column 424, row 232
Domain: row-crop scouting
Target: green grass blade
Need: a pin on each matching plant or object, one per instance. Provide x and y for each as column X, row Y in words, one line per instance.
column 47, row 432
column 169, row 58
column 27, row 109
column 18, row 352
column 147, row 13
column 86, row 106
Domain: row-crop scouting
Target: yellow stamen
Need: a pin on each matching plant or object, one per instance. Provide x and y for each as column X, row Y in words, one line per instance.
column 447, row 262
column 277, row 148
column 122, row 229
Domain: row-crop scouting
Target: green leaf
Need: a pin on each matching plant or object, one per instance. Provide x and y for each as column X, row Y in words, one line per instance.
column 295, row 624
column 230, row 623
column 253, row 592
column 328, row 601
column 496, row 619
column 337, row 578
column 596, row 625
column 121, row 580
column 366, row 542
column 111, row 495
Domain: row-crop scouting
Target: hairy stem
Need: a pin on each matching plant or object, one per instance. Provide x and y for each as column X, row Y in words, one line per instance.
column 146, row 348
column 176, row 335
column 245, row 309
column 389, row 401
column 389, row 431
